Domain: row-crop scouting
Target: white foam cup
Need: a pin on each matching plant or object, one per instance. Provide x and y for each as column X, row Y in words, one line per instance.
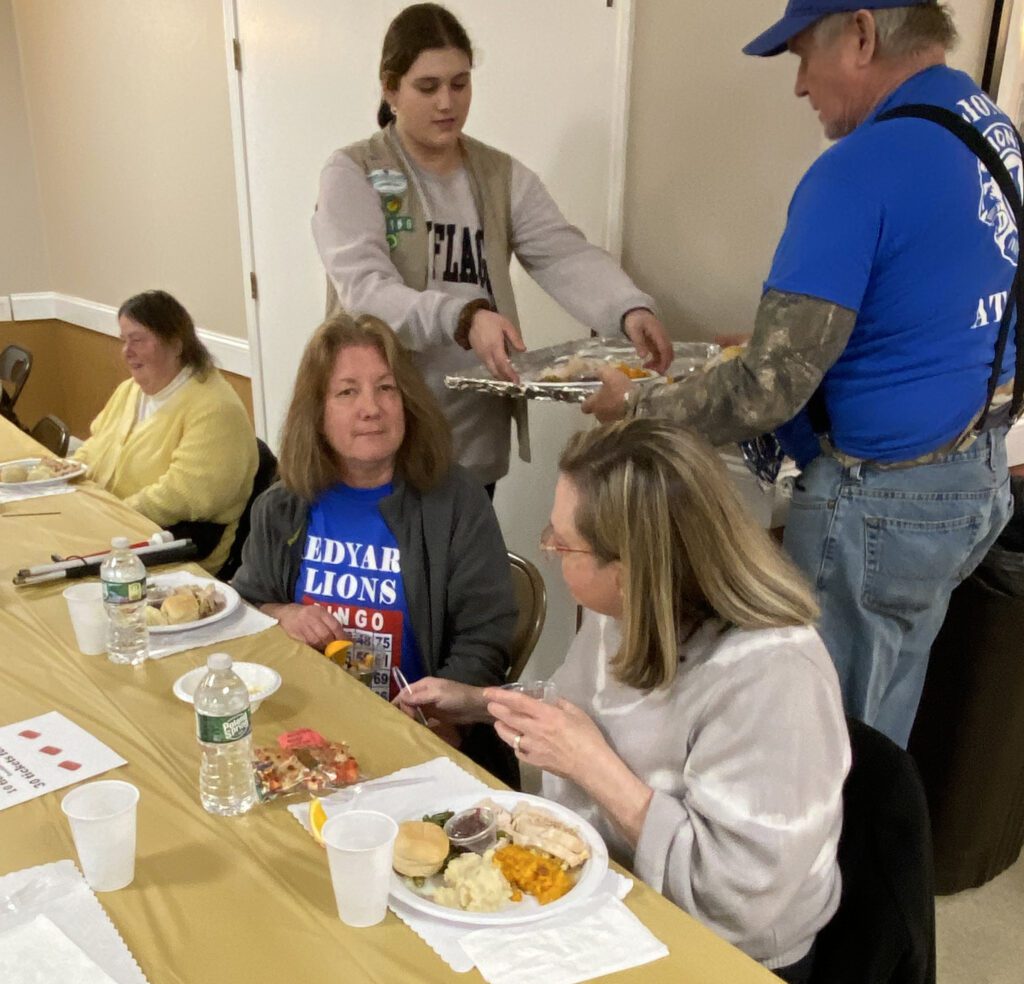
column 88, row 616
column 102, row 818
column 360, row 845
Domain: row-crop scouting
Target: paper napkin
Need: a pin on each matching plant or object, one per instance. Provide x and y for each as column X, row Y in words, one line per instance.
column 18, row 495
column 37, row 952
column 74, row 930
column 600, row 936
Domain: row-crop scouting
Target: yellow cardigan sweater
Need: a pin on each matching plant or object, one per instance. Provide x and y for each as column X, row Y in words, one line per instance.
column 194, row 459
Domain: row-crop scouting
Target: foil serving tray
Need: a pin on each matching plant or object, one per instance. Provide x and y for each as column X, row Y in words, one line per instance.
column 689, row 357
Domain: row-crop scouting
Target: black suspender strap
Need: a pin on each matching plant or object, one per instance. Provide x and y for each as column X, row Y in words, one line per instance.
column 988, row 156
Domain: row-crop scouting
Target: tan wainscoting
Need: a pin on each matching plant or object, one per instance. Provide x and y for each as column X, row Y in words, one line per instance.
column 74, row 371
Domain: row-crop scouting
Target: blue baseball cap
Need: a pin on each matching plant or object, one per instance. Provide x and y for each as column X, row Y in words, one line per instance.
column 801, row 14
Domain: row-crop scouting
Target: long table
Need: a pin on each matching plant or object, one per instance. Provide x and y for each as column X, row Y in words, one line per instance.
column 245, row 899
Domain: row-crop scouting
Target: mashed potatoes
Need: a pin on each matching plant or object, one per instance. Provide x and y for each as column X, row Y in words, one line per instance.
column 475, row 884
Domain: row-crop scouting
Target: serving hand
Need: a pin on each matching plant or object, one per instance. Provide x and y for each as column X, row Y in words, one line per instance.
column 609, row 402
column 649, row 338
column 491, row 336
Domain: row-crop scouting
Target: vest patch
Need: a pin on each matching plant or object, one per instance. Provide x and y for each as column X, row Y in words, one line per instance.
column 391, row 186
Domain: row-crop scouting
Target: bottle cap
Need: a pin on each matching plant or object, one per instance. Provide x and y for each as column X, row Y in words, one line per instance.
column 119, row 542
column 218, row 661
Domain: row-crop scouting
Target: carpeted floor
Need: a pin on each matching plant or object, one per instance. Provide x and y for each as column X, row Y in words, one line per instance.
column 980, row 932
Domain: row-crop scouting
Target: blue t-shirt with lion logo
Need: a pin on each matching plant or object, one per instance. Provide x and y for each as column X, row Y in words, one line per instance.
column 901, row 223
column 351, row 565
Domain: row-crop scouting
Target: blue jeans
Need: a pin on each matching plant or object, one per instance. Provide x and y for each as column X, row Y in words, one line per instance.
column 884, row 549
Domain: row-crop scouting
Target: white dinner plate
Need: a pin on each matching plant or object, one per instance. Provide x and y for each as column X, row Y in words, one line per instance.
column 529, row 910
column 39, row 483
column 176, row 579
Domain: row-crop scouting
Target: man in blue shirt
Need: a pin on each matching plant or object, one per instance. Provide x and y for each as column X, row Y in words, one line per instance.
column 875, row 342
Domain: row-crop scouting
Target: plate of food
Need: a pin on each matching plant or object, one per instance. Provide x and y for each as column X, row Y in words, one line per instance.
column 497, row 859
column 179, row 601
column 30, row 473
column 568, row 372
column 585, row 370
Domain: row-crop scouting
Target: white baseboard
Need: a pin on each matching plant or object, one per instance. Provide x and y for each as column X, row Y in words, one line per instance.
column 230, row 354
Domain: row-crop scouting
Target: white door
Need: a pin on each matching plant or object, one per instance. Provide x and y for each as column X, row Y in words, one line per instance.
column 550, row 87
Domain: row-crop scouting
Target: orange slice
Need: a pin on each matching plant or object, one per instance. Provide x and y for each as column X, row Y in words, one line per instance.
column 338, row 650
column 317, row 819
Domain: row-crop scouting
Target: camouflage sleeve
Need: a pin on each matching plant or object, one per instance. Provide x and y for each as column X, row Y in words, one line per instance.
column 796, row 340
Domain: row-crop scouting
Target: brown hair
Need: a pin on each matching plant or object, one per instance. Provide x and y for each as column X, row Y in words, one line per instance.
column 657, row 498
column 413, row 31
column 166, row 318
column 308, row 464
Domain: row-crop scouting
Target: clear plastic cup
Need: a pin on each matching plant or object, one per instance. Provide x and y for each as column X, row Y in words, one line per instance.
column 544, row 690
column 102, row 817
column 473, row 830
column 88, row 617
column 360, row 845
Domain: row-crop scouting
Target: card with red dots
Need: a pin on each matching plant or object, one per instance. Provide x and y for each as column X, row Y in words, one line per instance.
column 46, row 753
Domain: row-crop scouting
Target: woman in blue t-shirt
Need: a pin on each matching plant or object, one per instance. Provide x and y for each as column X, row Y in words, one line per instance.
column 372, row 532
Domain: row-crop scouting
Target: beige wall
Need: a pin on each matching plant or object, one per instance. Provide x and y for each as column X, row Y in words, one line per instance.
column 973, row 20
column 23, row 264
column 128, row 107
column 717, row 143
column 57, row 385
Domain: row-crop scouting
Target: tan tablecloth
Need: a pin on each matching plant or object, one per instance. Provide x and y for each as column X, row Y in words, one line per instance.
column 230, row 900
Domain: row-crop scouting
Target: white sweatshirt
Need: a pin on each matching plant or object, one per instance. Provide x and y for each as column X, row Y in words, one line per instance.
column 746, row 751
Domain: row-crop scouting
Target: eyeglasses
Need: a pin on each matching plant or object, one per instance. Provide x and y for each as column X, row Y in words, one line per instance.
column 552, row 549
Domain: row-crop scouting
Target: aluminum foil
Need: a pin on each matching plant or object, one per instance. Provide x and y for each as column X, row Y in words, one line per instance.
column 689, row 357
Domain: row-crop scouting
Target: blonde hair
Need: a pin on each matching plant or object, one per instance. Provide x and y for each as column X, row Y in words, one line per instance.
column 308, row 464
column 657, row 498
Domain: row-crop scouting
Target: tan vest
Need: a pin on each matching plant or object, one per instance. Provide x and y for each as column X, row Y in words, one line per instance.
column 490, row 179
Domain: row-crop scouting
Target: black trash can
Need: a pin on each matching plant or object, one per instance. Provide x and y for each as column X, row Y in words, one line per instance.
column 968, row 738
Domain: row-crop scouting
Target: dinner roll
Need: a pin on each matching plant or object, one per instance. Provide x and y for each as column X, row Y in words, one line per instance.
column 420, row 849
column 178, row 608
column 39, row 473
column 13, row 473
column 154, row 616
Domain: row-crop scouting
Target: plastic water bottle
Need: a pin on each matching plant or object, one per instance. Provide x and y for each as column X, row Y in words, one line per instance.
column 124, row 597
column 226, row 782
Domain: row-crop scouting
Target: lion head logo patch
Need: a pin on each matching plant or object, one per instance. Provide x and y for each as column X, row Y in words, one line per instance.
column 994, row 210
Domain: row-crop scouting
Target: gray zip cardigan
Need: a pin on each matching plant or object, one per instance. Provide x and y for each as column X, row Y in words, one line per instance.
column 455, row 570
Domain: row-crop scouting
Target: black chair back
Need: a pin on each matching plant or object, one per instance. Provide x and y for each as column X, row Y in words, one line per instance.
column 266, row 473
column 53, row 434
column 884, row 929
column 15, row 365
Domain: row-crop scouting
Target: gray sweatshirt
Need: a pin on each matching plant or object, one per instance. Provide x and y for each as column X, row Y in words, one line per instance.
column 746, row 751
column 349, row 229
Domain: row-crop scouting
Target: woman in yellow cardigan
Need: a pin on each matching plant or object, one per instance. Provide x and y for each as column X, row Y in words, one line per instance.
column 174, row 441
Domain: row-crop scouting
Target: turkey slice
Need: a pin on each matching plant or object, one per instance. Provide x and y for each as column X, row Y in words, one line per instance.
column 534, row 827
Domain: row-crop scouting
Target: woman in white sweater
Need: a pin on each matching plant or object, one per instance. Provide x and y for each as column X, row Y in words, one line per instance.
column 700, row 726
